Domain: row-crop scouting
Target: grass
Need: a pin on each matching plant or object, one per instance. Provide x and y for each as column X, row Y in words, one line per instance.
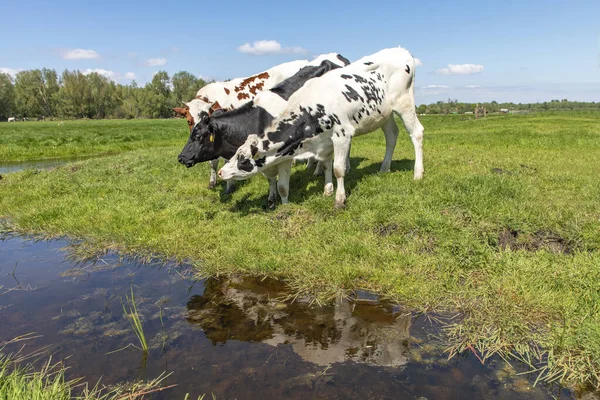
column 503, row 231
column 20, row 380
column 136, row 322
column 41, row 140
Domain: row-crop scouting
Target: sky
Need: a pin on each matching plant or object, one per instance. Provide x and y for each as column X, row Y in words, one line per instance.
column 520, row 51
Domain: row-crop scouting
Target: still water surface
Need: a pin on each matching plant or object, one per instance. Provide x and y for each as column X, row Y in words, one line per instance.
column 236, row 338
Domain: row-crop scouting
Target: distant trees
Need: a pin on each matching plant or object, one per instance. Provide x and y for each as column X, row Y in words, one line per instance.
column 185, row 86
column 35, row 92
column 450, row 106
column 90, row 95
column 75, row 94
column 7, row 96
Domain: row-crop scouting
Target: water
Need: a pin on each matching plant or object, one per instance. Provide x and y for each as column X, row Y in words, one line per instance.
column 15, row 166
column 236, row 338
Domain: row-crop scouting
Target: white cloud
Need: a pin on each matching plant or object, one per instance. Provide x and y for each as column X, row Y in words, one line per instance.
column 437, row 87
column 132, row 54
column 460, row 69
column 472, row 86
column 129, row 75
column 262, row 47
column 418, row 62
column 10, row 71
column 100, row 71
column 79, row 54
column 156, row 62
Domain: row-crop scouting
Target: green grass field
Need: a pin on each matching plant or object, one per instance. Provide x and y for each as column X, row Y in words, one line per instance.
column 31, row 140
column 504, row 228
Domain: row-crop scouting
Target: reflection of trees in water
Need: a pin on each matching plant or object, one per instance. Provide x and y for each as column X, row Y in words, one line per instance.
column 249, row 310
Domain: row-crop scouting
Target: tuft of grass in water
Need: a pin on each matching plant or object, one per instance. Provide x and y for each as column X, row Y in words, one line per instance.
column 23, row 383
column 503, row 231
column 135, row 321
column 20, row 380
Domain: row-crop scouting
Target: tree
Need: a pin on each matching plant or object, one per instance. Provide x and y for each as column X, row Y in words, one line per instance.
column 422, row 109
column 156, row 97
column 74, row 95
column 36, row 91
column 103, row 96
column 130, row 106
column 7, row 96
column 185, row 87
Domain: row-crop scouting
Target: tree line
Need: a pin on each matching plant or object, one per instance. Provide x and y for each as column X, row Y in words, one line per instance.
column 454, row 106
column 73, row 94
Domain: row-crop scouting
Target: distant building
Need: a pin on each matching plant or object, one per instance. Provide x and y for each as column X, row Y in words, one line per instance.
column 469, row 112
column 504, row 110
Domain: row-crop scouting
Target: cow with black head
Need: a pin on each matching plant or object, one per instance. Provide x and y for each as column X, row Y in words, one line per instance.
column 220, row 134
column 233, row 94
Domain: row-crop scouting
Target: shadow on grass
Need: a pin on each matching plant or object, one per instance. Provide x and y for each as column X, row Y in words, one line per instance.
column 302, row 185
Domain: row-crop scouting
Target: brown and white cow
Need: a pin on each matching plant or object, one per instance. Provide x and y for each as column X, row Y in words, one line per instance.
column 233, row 94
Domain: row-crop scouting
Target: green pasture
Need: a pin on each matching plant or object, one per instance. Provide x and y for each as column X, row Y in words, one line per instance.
column 502, row 234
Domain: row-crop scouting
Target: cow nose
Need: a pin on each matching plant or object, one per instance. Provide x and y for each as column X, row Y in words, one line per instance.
column 180, row 159
column 220, row 173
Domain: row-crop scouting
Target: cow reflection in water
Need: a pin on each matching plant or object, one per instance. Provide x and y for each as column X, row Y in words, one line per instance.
column 247, row 310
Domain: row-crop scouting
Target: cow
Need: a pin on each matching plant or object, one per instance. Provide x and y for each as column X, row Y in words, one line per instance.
column 12, row 119
column 324, row 116
column 221, row 133
column 233, row 94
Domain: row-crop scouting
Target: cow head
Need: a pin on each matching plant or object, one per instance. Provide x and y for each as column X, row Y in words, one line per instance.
column 246, row 162
column 195, row 108
column 203, row 143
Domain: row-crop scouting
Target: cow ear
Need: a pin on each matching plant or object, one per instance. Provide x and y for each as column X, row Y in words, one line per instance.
column 216, row 106
column 180, row 111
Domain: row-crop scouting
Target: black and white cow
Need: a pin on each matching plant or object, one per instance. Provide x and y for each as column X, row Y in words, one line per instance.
column 221, row 133
column 233, row 94
column 327, row 113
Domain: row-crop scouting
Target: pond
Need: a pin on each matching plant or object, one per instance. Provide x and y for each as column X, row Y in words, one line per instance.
column 236, row 338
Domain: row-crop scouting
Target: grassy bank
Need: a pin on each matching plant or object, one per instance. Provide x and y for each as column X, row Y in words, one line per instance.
column 21, row 141
column 504, row 228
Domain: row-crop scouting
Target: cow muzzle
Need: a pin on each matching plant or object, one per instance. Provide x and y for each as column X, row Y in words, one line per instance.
column 187, row 163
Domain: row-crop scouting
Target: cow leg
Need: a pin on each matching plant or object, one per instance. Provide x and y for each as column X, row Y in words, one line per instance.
column 348, row 160
column 341, row 149
column 327, row 166
column 284, row 170
column 230, row 186
column 271, row 175
column 320, row 167
column 214, row 166
column 413, row 126
column 390, row 129
column 311, row 163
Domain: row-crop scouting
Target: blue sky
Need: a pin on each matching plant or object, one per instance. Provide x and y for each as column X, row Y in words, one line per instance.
column 522, row 51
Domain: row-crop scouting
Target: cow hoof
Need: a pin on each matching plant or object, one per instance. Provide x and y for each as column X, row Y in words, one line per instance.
column 339, row 205
column 328, row 189
column 212, row 185
column 271, row 204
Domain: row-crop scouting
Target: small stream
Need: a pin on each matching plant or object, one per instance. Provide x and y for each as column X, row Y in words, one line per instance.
column 236, row 338
column 15, row 166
